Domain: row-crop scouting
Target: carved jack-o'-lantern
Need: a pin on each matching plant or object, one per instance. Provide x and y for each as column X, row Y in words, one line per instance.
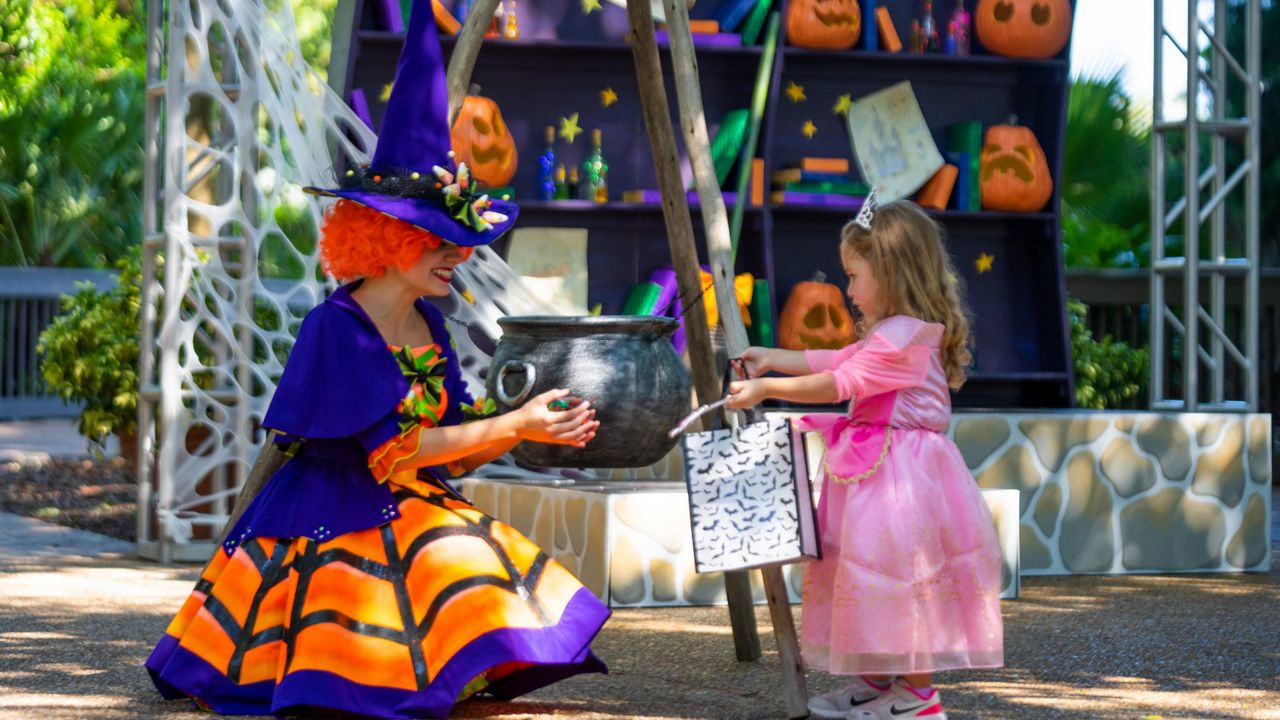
column 1023, row 28
column 1015, row 173
column 824, row 24
column 815, row 317
column 483, row 141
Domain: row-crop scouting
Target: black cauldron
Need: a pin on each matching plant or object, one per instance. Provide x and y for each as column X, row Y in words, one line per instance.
column 624, row 365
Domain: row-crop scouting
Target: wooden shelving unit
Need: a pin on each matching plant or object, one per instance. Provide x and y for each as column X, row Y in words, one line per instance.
column 565, row 58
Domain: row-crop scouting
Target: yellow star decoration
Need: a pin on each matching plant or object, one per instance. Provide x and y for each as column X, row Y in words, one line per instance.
column 984, row 262
column 385, row 95
column 795, row 92
column 569, row 127
column 842, row 105
column 809, row 129
column 590, row 6
column 608, row 97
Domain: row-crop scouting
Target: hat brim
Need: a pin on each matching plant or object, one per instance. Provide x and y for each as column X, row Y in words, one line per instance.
column 426, row 214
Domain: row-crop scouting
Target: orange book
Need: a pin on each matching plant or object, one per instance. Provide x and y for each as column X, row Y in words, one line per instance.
column 697, row 27
column 889, row 40
column 444, row 20
column 757, row 182
column 831, row 166
column 937, row 192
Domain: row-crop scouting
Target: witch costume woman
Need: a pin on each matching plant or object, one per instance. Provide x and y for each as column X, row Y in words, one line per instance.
column 358, row 581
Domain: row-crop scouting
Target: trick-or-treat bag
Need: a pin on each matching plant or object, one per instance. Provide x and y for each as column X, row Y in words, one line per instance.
column 750, row 501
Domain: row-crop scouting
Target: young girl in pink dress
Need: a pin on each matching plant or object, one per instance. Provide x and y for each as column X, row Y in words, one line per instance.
column 909, row 580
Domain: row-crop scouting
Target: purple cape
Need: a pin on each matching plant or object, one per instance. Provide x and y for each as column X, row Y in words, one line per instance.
column 339, row 394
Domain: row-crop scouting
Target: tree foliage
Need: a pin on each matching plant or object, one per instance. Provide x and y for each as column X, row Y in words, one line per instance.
column 1105, row 178
column 72, row 108
column 71, row 116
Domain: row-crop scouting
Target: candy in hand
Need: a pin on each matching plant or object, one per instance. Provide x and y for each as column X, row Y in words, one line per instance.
column 558, row 405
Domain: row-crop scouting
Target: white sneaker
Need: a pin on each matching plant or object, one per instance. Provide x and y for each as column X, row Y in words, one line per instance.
column 900, row 703
column 837, row 704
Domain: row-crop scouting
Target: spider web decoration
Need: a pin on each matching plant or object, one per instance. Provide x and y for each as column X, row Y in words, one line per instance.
column 237, row 124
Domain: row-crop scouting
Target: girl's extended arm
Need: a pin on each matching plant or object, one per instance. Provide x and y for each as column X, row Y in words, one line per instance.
column 760, row 360
column 818, row 388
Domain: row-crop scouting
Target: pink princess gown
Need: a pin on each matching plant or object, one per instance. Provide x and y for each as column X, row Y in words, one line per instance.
column 909, row 580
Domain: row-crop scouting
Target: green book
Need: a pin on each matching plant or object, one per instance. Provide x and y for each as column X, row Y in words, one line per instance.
column 761, row 330
column 755, row 22
column 845, row 187
column 966, row 137
column 642, row 300
column 727, row 144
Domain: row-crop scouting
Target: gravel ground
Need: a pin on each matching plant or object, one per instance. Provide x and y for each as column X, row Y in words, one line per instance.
column 78, row 617
column 75, row 629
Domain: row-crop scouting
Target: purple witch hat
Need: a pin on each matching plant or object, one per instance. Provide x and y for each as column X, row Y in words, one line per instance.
column 412, row 176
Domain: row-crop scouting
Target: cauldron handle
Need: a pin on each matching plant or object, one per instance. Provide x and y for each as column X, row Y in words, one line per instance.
column 530, row 376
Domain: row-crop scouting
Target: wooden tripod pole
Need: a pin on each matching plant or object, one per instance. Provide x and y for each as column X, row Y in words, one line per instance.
column 720, row 253
column 684, row 256
column 465, row 50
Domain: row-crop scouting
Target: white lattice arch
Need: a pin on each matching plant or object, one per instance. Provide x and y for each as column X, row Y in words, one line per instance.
column 237, row 123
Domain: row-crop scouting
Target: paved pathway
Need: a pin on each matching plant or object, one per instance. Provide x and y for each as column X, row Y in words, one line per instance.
column 39, row 440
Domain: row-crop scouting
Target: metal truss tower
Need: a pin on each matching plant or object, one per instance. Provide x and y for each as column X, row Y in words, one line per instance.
column 1204, row 344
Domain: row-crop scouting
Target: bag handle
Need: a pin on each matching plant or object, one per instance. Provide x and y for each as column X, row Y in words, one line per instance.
column 754, row 414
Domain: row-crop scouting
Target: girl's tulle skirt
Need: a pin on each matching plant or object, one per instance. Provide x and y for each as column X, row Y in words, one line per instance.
column 909, row 581
column 398, row 621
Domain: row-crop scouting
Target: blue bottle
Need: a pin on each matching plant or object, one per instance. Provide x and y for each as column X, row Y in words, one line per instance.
column 547, row 168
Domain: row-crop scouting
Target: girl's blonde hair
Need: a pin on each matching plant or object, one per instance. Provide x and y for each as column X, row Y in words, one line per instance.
column 916, row 276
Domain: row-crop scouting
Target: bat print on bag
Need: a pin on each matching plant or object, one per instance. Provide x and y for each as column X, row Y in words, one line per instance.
column 749, row 496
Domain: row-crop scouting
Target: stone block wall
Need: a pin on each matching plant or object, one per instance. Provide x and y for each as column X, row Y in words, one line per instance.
column 1130, row 492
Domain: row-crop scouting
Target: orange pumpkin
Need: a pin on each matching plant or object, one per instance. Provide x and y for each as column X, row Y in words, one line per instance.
column 1023, row 28
column 483, row 141
column 824, row 24
column 815, row 317
column 1014, row 174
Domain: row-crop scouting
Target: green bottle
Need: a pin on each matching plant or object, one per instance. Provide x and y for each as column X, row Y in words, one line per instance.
column 562, row 187
column 595, row 172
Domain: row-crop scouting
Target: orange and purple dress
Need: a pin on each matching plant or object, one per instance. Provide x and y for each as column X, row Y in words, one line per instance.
column 353, row 585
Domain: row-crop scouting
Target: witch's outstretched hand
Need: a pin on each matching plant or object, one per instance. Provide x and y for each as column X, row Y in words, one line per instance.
column 542, row 419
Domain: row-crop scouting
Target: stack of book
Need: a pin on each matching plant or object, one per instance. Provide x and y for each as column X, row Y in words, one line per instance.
column 706, row 33
column 818, row 181
column 964, row 150
column 742, row 19
column 393, row 15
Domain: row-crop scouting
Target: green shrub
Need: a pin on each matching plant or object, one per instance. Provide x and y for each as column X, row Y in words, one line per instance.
column 1108, row 372
column 90, row 353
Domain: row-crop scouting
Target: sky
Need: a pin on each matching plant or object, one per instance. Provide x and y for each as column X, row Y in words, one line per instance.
column 1118, row 34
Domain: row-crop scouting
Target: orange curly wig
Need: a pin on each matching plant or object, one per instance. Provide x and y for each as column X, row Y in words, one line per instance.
column 359, row 242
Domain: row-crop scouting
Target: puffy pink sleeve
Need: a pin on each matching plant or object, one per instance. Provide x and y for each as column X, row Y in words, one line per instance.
column 896, row 356
column 824, row 360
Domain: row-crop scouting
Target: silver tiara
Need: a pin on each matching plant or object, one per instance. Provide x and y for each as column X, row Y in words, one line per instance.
column 868, row 211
